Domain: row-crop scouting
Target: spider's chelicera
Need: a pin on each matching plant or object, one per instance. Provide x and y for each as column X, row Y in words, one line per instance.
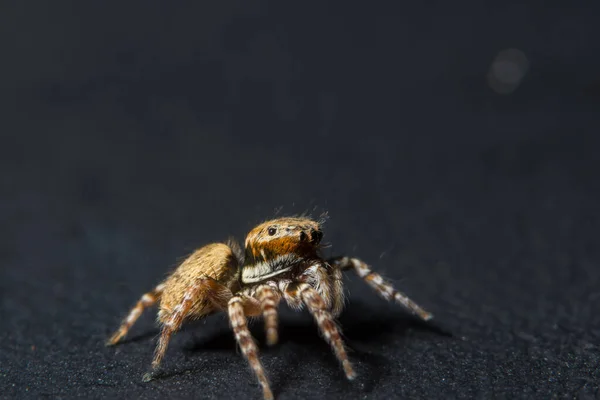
column 281, row 260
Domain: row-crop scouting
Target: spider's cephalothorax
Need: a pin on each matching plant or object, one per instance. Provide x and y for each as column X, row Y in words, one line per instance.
column 281, row 261
column 276, row 248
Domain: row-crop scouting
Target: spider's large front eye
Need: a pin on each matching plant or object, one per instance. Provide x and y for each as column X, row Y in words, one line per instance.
column 271, row 231
column 316, row 236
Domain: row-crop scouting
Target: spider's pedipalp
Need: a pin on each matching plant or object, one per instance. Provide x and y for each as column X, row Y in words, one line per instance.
column 291, row 296
column 147, row 300
column 247, row 344
column 325, row 321
column 269, row 300
column 327, row 281
column 383, row 288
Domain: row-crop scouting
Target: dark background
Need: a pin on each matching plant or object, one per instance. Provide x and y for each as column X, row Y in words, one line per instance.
column 133, row 132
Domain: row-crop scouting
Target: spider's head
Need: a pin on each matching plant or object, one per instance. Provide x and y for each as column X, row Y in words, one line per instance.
column 275, row 246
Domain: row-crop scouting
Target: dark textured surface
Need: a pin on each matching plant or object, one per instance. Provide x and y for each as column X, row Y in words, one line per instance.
column 133, row 133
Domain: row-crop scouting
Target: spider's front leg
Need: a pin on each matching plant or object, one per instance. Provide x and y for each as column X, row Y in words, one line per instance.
column 237, row 317
column 384, row 289
column 302, row 293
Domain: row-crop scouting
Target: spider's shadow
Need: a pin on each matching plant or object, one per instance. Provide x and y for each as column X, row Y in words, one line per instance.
column 361, row 325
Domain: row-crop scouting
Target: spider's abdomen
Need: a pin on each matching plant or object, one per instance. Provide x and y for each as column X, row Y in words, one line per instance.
column 216, row 261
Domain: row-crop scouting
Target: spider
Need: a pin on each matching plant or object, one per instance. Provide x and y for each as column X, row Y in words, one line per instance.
column 281, row 260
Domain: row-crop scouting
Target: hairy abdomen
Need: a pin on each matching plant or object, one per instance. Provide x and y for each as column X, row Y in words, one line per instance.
column 215, row 261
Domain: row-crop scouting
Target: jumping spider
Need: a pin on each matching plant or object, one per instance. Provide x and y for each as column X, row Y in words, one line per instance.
column 281, row 261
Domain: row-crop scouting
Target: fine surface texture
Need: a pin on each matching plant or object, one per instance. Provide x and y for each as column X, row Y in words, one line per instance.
column 135, row 132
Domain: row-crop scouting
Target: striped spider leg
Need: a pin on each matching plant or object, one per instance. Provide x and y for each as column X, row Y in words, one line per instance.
column 383, row 288
column 146, row 301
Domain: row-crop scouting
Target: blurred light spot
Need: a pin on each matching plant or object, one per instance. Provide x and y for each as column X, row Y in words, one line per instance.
column 507, row 71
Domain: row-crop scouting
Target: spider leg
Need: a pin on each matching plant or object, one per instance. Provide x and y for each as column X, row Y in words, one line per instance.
column 325, row 321
column 328, row 283
column 247, row 344
column 216, row 293
column 269, row 300
column 383, row 288
column 338, row 291
column 147, row 300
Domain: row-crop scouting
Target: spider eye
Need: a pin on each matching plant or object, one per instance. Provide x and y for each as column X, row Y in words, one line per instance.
column 271, row 231
column 316, row 236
